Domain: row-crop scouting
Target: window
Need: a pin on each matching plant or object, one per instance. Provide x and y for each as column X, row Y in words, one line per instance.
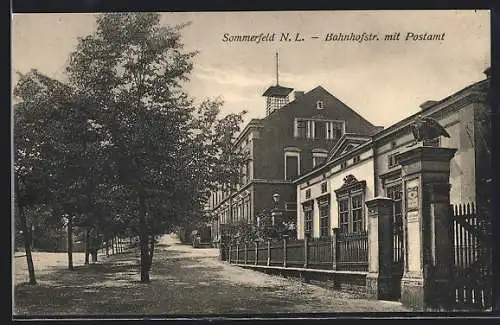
column 301, row 129
column 247, row 171
column 356, row 159
column 395, row 192
column 344, row 215
column 324, row 218
column 320, row 130
column 319, row 104
column 337, row 133
column 246, row 211
column 308, row 193
column 350, row 197
column 308, row 218
column 351, row 215
column 292, row 165
column 319, row 158
column 357, row 213
column 323, row 187
column 290, row 206
column 392, row 161
column 334, row 130
column 393, row 144
column 343, row 165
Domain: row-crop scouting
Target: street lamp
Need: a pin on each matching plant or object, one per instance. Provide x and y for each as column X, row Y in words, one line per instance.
column 275, row 213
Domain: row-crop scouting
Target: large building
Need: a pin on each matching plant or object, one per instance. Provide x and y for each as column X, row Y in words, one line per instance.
column 360, row 167
column 331, row 198
column 292, row 139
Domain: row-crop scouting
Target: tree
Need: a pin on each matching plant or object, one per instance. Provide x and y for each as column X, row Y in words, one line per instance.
column 67, row 144
column 37, row 97
column 133, row 68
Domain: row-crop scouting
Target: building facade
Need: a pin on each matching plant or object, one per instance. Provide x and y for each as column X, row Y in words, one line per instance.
column 294, row 138
column 360, row 168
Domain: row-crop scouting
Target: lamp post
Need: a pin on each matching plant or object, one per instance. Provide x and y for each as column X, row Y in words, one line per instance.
column 276, row 213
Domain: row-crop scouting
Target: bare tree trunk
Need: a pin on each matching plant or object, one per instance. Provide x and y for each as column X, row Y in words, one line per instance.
column 87, row 248
column 151, row 250
column 143, row 240
column 70, row 243
column 27, row 247
column 107, row 247
column 93, row 253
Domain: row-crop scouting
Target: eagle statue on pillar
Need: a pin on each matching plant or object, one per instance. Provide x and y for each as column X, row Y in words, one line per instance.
column 426, row 128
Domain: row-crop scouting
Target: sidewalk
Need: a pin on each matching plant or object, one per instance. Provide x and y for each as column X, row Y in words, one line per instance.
column 185, row 281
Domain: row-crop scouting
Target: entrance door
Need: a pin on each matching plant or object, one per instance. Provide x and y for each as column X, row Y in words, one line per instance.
column 395, row 192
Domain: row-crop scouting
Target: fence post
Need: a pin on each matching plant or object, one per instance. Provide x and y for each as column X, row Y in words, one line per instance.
column 268, row 252
column 256, row 252
column 425, row 172
column 284, row 249
column 246, row 253
column 306, row 250
column 237, row 253
column 335, row 248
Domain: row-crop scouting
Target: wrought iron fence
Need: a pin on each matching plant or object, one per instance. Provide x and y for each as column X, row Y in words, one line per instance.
column 472, row 273
column 340, row 252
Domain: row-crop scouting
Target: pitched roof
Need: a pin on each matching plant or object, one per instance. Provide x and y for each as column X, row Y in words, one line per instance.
column 355, row 123
column 277, row 91
column 344, row 141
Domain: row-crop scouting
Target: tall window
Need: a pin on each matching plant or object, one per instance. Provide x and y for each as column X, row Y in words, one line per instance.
column 308, row 218
column 351, row 214
column 320, row 130
column 337, row 133
column 350, row 198
column 392, row 161
column 292, row 165
column 324, row 218
column 247, row 171
column 395, row 192
column 344, row 215
column 301, row 128
column 357, row 213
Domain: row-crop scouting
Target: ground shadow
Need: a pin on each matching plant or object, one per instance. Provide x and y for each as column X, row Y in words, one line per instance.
column 184, row 281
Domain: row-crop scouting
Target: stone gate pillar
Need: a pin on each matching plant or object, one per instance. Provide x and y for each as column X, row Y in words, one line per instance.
column 427, row 237
column 380, row 238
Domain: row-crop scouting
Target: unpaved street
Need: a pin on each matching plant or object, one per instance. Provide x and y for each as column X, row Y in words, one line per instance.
column 184, row 281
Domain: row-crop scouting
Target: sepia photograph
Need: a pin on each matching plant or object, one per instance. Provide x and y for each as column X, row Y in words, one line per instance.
column 198, row 164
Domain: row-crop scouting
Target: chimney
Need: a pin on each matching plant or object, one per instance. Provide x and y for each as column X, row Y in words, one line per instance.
column 427, row 104
column 297, row 94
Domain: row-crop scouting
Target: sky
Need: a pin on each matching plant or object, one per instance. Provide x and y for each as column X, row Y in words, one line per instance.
column 384, row 81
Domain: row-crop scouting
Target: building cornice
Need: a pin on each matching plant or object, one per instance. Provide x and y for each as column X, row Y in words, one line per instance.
column 348, row 155
column 451, row 103
column 253, row 124
column 234, row 195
